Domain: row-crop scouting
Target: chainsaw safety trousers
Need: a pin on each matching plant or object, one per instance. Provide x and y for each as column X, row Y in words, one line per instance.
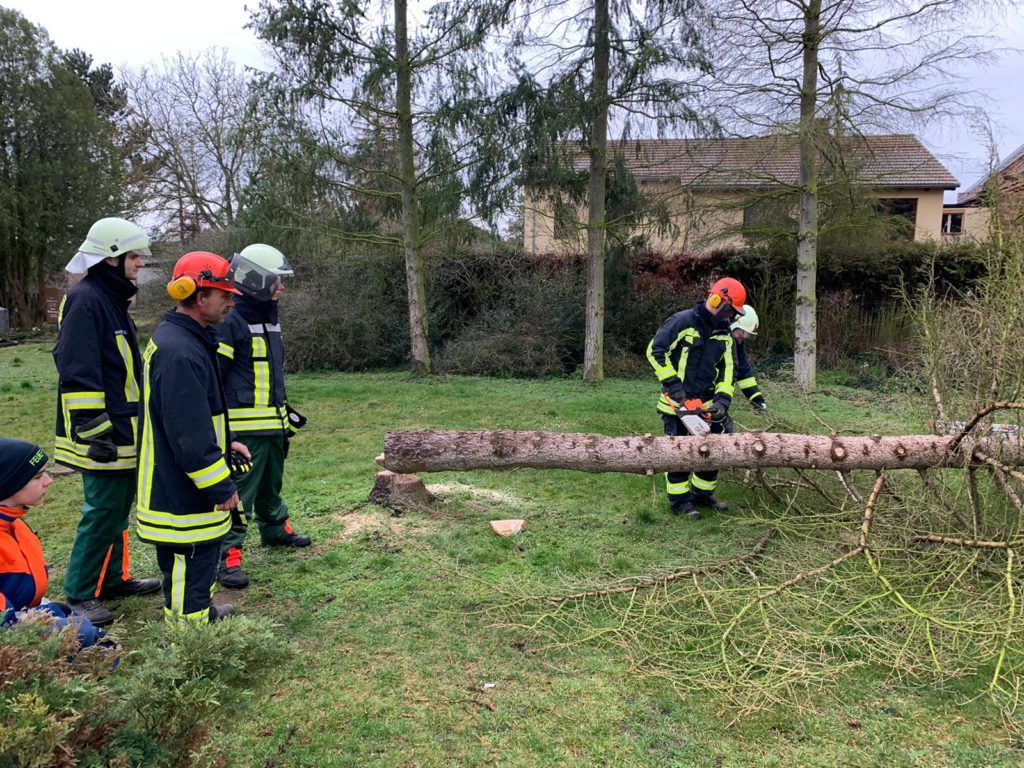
column 260, row 491
column 681, row 486
column 99, row 556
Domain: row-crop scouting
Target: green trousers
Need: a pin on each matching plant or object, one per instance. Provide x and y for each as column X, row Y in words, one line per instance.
column 260, row 491
column 99, row 556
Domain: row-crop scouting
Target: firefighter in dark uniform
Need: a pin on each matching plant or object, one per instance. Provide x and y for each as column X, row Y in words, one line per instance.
column 743, row 329
column 692, row 357
column 252, row 365
column 98, row 367
column 185, row 489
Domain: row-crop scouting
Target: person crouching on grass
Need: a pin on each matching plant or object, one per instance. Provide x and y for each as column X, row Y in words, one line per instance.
column 23, row 571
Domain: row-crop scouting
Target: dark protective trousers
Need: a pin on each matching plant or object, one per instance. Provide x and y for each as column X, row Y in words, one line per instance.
column 190, row 575
column 260, row 492
column 681, row 486
column 99, row 556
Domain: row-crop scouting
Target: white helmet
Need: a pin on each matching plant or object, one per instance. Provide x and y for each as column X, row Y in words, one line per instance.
column 747, row 322
column 259, row 269
column 108, row 238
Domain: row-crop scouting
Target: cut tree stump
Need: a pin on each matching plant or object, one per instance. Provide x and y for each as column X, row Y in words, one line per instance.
column 437, row 451
column 399, row 491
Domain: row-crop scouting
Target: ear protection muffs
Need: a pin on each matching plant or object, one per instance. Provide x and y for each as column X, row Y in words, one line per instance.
column 714, row 300
column 180, row 288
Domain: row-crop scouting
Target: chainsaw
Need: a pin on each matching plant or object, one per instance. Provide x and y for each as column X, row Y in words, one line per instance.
column 694, row 417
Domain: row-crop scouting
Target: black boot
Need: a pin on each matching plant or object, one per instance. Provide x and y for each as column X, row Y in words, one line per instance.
column 232, row 578
column 289, row 538
column 93, row 610
column 707, row 499
column 687, row 510
column 130, row 588
column 218, row 612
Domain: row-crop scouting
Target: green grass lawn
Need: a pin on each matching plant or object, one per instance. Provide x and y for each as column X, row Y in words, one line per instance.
column 399, row 659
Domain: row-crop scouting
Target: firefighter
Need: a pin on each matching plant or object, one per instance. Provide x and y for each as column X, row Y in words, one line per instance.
column 692, row 357
column 98, row 366
column 743, row 329
column 185, row 490
column 252, row 364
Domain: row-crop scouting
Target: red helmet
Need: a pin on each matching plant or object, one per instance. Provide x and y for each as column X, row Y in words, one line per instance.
column 200, row 269
column 730, row 291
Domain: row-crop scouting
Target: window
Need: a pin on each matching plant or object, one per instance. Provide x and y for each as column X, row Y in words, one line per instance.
column 952, row 223
column 903, row 212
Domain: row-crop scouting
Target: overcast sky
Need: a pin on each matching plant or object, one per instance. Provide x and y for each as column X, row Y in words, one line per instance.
column 135, row 32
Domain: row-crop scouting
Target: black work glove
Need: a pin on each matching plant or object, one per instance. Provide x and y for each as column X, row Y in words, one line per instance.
column 296, row 420
column 102, row 450
column 287, row 445
column 759, row 404
column 238, row 464
column 717, row 412
column 677, row 393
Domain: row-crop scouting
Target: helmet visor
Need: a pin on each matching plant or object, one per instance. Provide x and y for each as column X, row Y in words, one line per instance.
column 254, row 280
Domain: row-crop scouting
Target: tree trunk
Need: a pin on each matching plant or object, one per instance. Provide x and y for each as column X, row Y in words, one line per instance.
column 437, row 451
column 593, row 346
column 805, row 348
column 415, row 284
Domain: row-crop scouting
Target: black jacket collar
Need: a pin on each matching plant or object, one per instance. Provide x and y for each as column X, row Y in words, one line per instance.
column 207, row 335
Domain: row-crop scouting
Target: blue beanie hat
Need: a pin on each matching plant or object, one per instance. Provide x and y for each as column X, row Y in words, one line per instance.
column 19, row 463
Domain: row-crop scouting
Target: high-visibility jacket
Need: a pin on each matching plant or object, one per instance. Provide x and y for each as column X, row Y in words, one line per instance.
column 183, row 437
column 694, row 349
column 98, row 367
column 252, row 365
column 745, row 378
column 23, row 577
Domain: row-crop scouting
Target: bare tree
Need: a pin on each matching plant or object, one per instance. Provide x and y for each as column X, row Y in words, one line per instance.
column 783, row 65
column 202, row 126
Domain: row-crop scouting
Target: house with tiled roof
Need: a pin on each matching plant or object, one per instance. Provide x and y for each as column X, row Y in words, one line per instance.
column 969, row 215
column 714, row 189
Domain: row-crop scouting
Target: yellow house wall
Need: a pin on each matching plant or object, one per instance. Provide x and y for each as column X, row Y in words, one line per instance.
column 702, row 221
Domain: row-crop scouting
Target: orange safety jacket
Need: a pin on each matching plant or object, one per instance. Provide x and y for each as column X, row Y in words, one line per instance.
column 23, row 578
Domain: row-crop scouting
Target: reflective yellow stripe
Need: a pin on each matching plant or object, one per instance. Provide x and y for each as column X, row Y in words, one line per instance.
column 211, row 475
column 703, row 485
column 257, row 425
column 60, row 310
column 178, row 571
column 251, row 413
column 186, row 619
column 725, row 386
column 220, row 430
column 131, row 386
column 748, row 382
column 145, row 476
column 99, row 429
column 661, row 369
column 227, row 350
column 676, row 489
column 153, row 533
column 76, row 400
column 75, row 454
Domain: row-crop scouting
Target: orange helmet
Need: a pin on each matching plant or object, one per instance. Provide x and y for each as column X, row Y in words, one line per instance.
column 730, row 291
column 200, row 269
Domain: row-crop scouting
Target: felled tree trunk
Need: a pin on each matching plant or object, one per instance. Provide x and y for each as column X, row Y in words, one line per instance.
column 437, row 451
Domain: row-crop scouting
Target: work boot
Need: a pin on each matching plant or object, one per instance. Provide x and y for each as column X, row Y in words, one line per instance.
column 92, row 610
column 232, row 578
column 710, row 501
column 687, row 510
column 130, row 588
column 218, row 612
column 289, row 538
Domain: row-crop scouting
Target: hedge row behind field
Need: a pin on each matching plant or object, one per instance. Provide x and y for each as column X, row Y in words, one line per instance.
column 499, row 312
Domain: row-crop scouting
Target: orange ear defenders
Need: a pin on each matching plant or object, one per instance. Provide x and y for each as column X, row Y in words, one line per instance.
column 180, row 288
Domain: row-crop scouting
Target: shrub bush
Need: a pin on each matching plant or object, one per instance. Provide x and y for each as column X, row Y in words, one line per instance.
column 156, row 708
